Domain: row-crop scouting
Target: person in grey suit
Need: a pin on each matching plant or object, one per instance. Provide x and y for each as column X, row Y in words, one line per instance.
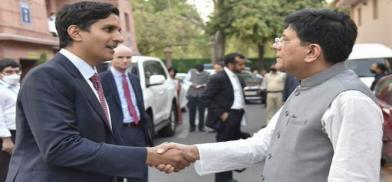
column 329, row 129
column 125, row 100
column 65, row 131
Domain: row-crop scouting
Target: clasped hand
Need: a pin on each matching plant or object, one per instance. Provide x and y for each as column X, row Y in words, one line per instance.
column 171, row 157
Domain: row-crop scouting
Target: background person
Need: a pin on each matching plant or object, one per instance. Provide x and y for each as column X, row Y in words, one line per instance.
column 9, row 88
column 379, row 70
column 125, row 100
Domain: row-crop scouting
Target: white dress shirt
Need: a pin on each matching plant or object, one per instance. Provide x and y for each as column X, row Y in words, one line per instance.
column 238, row 95
column 8, row 95
column 87, row 72
column 124, row 105
column 353, row 124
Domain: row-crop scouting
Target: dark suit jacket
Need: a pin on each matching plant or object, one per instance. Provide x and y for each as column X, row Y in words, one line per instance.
column 113, row 99
column 218, row 97
column 62, row 135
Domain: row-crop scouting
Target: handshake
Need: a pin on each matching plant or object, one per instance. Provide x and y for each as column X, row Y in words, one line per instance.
column 171, row 157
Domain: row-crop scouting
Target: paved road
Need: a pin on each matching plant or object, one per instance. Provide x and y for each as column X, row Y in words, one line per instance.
column 256, row 119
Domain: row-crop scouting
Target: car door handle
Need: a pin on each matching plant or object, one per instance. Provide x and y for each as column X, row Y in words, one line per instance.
column 161, row 92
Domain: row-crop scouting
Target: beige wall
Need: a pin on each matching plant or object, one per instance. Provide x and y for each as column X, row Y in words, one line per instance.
column 11, row 23
column 374, row 30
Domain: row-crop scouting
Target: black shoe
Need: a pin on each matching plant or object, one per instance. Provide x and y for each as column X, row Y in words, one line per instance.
column 202, row 130
column 240, row 170
column 191, row 129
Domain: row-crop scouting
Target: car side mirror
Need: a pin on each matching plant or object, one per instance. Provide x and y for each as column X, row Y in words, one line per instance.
column 156, row 80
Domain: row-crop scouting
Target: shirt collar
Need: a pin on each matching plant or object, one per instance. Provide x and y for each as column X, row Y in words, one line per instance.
column 85, row 69
column 229, row 72
column 116, row 73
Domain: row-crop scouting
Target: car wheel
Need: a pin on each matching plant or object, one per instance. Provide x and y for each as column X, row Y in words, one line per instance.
column 170, row 129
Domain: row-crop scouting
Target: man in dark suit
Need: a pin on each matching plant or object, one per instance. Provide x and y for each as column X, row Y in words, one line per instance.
column 125, row 99
column 225, row 102
column 65, row 131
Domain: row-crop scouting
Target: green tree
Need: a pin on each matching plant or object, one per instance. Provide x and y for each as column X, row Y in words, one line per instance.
column 168, row 23
column 256, row 22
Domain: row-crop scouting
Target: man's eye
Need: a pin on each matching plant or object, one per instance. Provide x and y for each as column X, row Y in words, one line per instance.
column 109, row 29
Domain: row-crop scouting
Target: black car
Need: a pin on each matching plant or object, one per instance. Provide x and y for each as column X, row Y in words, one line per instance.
column 253, row 90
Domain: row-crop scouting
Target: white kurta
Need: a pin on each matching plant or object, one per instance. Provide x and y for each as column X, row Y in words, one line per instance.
column 353, row 124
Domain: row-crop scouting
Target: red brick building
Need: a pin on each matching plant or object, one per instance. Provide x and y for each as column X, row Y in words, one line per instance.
column 25, row 35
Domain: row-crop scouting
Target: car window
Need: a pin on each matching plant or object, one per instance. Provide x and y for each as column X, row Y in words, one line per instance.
column 248, row 77
column 158, row 69
column 361, row 66
column 383, row 90
column 153, row 68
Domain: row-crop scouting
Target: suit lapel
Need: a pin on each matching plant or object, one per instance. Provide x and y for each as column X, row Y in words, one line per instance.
column 113, row 87
column 85, row 88
column 228, row 81
column 137, row 94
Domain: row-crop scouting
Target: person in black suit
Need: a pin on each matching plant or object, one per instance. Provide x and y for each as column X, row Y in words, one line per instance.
column 225, row 101
column 65, row 131
column 125, row 99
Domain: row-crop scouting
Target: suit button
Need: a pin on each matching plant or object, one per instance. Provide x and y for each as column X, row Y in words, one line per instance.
column 269, row 156
column 278, row 135
column 262, row 177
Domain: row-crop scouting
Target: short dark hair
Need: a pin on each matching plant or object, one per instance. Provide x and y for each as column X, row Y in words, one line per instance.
column 230, row 58
column 199, row 67
column 82, row 14
column 172, row 69
column 4, row 63
column 334, row 31
column 382, row 67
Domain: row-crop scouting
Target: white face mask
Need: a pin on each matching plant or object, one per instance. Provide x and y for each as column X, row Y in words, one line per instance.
column 11, row 79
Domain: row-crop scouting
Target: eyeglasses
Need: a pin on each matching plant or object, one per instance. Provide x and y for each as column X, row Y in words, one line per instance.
column 278, row 41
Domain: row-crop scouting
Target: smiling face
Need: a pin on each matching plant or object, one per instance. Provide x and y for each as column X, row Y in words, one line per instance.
column 97, row 44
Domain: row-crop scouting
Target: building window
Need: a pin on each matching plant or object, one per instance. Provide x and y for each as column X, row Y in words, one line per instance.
column 359, row 17
column 127, row 23
column 25, row 12
column 375, row 9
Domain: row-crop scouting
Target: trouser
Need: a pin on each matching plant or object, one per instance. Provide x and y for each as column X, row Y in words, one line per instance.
column 134, row 136
column 274, row 102
column 5, row 159
column 229, row 130
column 194, row 103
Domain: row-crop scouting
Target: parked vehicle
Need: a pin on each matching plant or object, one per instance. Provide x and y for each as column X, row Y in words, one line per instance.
column 159, row 93
column 364, row 55
column 253, row 87
column 383, row 93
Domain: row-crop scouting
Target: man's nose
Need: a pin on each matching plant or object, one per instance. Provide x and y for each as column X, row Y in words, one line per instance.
column 118, row 37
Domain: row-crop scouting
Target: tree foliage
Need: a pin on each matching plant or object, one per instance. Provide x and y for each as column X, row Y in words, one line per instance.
column 255, row 22
column 168, row 23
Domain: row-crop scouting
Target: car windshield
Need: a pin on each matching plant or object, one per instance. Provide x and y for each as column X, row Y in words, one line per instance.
column 248, row 77
column 361, row 66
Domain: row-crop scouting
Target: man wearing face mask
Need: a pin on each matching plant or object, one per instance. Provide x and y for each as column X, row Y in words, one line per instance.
column 274, row 83
column 379, row 70
column 9, row 87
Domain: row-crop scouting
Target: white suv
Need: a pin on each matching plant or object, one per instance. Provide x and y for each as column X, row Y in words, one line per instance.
column 159, row 94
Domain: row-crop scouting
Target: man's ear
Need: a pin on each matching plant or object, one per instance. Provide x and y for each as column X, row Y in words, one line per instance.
column 313, row 53
column 74, row 32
